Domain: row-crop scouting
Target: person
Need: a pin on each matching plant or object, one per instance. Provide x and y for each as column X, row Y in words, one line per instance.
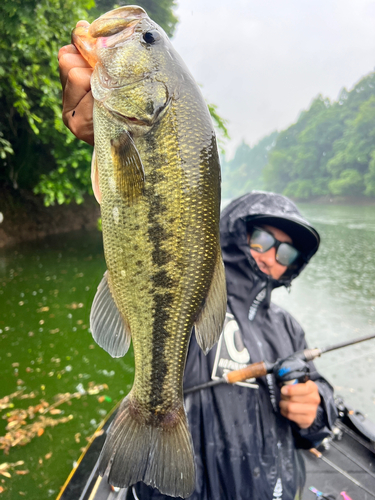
column 246, row 436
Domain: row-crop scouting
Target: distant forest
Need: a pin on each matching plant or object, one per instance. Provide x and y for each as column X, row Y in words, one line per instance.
column 329, row 151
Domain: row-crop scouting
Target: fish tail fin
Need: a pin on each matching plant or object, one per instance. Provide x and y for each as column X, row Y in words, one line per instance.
column 159, row 454
column 209, row 323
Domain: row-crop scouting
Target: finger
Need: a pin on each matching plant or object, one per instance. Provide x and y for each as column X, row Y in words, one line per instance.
column 67, row 49
column 77, row 86
column 80, row 120
column 299, row 389
column 302, row 414
column 310, row 398
column 68, row 62
column 70, row 49
column 304, row 421
column 83, row 23
column 297, row 408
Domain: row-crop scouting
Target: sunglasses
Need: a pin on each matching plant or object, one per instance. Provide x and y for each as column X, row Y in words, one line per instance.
column 261, row 241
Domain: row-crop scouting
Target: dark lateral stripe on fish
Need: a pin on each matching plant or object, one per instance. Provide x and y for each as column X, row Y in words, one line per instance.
column 159, row 362
column 160, row 293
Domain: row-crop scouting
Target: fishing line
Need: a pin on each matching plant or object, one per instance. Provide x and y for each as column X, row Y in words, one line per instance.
column 320, row 456
column 349, row 360
column 344, row 428
column 351, row 458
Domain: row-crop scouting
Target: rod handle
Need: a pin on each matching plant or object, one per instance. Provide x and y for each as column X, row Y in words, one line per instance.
column 251, row 371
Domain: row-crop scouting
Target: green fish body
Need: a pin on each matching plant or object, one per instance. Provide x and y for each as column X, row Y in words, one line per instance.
column 157, row 174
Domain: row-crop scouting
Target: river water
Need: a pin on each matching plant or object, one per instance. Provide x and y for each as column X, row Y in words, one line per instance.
column 46, row 291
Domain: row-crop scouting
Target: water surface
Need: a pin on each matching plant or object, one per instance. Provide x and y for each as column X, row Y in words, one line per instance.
column 46, row 291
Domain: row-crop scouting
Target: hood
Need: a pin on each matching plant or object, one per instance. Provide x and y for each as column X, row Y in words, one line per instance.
column 259, row 207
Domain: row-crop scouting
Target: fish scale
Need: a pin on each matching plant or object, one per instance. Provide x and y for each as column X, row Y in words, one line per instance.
column 157, row 176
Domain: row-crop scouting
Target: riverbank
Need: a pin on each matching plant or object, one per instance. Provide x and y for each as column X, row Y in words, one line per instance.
column 24, row 217
column 339, row 200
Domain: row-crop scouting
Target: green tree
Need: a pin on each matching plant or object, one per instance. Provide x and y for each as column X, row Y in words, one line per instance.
column 350, row 182
column 36, row 150
column 329, row 150
column 33, row 140
column 244, row 172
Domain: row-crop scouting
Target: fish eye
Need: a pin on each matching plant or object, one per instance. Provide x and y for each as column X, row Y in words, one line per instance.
column 151, row 36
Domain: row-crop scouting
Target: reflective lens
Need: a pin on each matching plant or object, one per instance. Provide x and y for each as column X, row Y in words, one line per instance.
column 261, row 241
column 286, row 254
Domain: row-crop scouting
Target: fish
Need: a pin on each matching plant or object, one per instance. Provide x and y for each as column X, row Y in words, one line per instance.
column 156, row 174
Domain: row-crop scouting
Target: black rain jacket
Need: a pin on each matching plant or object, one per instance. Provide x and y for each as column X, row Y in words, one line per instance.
column 244, row 448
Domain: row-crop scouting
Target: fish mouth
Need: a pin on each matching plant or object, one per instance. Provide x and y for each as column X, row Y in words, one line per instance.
column 108, row 30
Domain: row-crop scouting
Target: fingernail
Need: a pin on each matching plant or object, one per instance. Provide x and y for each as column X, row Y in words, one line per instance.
column 284, row 390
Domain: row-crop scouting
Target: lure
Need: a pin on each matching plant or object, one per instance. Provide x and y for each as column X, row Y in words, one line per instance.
column 345, row 496
column 321, row 496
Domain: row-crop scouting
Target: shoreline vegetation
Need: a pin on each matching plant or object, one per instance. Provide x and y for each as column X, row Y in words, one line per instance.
column 25, row 217
column 326, row 157
column 327, row 153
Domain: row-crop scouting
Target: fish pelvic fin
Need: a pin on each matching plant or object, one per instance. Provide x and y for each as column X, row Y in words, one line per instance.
column 159, row 453
column 209, row 323
column 129, row 171
column 107, row 325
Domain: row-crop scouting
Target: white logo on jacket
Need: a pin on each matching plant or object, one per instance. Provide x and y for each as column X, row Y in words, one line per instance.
column 231, row 353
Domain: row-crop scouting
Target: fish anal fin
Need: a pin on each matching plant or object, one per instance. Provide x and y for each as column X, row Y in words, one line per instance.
column 209, row 323
column 129, row 171
column 109, row 329
column 158, row 453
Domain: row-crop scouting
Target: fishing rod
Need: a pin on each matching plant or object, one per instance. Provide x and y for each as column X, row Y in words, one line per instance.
column 319, row 455
column 289, row 370
column 351, row 458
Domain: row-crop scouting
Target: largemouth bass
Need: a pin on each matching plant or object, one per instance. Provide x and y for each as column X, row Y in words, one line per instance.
column 156, row 174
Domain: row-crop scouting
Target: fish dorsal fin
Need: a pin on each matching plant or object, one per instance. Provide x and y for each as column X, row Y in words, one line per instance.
column 95, row 178
column 107, row 325
column 129, row 171
column 209, row 323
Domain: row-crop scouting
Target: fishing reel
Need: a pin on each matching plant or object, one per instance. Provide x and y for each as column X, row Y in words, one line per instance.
column 291, row 370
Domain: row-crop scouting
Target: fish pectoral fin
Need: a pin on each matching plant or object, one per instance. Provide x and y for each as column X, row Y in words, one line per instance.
column 129, row 171
column 107, row 325
column 95, row 178
column 209, row 323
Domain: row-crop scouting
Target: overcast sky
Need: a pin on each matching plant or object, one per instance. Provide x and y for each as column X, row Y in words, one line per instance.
column 263, row 61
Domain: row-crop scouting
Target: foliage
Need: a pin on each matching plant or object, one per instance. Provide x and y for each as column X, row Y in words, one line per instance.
column 330, row 150
column 33, row 140
column 244, row 172
column 36, row 150
column 220, row 125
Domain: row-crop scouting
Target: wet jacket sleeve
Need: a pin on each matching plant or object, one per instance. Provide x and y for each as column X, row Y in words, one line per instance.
column 327, row 412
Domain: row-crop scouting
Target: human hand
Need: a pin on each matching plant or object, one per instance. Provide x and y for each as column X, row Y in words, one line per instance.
column 299, row 403
column 75, row 74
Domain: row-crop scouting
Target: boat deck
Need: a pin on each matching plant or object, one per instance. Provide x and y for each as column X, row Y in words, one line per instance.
column 348, row 459
column 341, row 453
